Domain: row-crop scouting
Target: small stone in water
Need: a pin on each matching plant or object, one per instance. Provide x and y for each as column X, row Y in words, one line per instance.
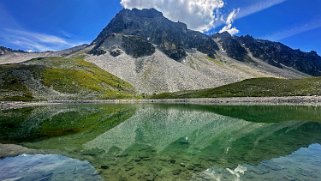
column 190, row 167
column 149, row 177
column 104, row 167
column 122, row 178
column 132, row 174
column 129, row 168
column 177, row 172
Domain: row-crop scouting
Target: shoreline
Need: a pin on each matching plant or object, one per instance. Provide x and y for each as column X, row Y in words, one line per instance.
column 293, row 100
column 12, row 150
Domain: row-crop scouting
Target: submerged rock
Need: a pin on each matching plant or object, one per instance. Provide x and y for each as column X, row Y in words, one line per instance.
column 104, row 167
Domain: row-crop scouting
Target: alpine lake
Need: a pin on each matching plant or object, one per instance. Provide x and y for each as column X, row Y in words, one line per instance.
column 160, row 142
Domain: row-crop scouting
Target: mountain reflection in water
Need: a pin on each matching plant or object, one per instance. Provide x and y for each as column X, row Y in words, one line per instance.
column 170, row 142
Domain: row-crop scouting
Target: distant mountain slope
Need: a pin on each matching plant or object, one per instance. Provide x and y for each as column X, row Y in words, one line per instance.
column 280, row 55
column 273, row 53
column 60, row 78
column 5, row 50
column 10, row 56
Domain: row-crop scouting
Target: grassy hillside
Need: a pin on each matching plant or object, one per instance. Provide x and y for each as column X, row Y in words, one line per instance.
column 258, row 87
column 77, row 124
column 60, row 78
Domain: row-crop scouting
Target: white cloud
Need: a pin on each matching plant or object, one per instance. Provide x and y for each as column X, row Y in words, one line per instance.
column 230, row 18
column 199, row 15
column 246, row 11
column 229, row 23
column 231, row 30
column 257, row 7
column 40, row 37
column 289, row 32
column 13, row 34
column 33, row 41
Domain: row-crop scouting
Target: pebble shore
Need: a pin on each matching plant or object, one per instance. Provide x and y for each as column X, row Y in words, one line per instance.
column 295, row 100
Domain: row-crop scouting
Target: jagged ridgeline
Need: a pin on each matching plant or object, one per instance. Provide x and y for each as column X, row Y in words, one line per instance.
column 5, row 50
column 274, row 53
column 60, row 78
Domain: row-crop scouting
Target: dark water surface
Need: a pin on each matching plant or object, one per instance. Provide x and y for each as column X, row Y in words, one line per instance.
column 163, row 142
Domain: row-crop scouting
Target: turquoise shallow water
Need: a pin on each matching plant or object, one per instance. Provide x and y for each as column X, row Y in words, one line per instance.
column 46, row 167
column 163, row 142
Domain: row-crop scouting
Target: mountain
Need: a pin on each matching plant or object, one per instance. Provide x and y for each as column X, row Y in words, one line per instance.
column 136, row 31
column 157, row 55
column 280, row 55
column 273, row 53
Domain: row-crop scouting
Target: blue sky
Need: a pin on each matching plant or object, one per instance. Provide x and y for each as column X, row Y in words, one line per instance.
column 40, row 25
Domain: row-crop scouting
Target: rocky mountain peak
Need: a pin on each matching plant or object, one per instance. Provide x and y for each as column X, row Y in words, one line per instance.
column 144, row 13
column 156, row 31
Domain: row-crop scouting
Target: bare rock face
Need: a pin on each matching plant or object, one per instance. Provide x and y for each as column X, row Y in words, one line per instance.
column 231, row 46
column 133, row 45
column 139, row 32
column 137, row 46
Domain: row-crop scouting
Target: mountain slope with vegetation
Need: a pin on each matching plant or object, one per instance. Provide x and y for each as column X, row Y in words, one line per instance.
column 60, row 78
column 258, row 87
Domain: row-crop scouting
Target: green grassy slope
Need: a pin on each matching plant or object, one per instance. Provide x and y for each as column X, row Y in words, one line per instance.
column 71, row 124
column 258, row 87
column 60, row 78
